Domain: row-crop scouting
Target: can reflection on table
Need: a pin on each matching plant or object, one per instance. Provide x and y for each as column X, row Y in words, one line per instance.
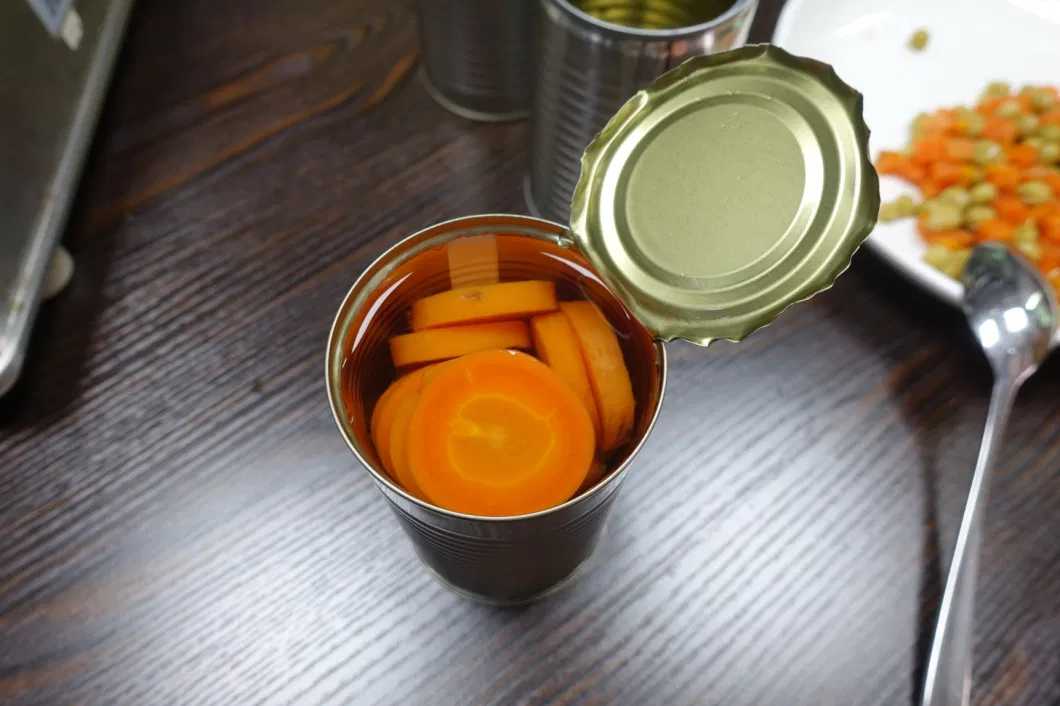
column 478, row 56
column 594, row 55
column 497, row 560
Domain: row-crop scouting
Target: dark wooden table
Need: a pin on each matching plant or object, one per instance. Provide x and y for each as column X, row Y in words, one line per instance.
column 180, row 523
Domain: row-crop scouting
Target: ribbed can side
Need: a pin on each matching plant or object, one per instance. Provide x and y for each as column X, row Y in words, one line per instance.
column 478, row 55
column 586, row 71
column 508, row 570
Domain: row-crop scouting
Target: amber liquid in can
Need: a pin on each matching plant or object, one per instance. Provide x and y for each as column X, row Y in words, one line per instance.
column 368, row 369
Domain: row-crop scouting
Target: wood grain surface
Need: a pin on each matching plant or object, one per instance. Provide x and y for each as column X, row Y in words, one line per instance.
column 180, row 522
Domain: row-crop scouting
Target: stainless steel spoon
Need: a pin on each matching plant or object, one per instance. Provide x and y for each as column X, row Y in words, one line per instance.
column 1013, row 313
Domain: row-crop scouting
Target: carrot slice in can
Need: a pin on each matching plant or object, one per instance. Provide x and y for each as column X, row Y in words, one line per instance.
column 473, row 305
column 608, row 375
column 499, row 433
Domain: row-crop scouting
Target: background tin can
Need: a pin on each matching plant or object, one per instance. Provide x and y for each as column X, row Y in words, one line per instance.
column 498, row 560
column 594, row 55
column 478, row 56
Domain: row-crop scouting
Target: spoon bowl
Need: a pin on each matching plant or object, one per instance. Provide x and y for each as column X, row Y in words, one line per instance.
column 1011, row 309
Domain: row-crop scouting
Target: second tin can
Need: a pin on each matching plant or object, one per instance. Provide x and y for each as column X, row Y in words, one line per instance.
column 732, row 187
column 594, row 55
column 478, row 56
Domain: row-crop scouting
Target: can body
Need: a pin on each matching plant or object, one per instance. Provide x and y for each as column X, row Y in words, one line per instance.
column 498, row 560
column 588, row 68
column 478, row 58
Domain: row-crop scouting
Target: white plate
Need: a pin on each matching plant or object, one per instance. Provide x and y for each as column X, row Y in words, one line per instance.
column 971, row 42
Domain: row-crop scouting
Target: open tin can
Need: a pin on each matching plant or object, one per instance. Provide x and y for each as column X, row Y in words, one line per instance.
column 593, row 56
column 732, row 187
column 478, row 56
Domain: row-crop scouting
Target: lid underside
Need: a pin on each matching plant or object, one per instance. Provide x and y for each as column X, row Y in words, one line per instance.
column 734, row 186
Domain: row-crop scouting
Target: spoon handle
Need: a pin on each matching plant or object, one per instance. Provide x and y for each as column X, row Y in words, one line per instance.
column 948, row 679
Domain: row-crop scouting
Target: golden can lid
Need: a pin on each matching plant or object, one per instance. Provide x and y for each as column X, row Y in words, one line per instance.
column 732, row 187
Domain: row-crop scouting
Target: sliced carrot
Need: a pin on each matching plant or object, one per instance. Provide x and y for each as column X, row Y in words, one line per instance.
column 386, row 409
column 888, row 162
column 989, row 106
column 941, row 122
column 930, row 189
column 473, row 261
column 1037, row 172
column 1050, row 260
column 896, row 164
column 1050, row 117
column 499, row 433
column 382, row 416
column 476, row 305
column 953, row 239
column 959, row 149
column 445, row 343
column 1041, row 212
column 911, row 173
column 1004, row 176
column 928, row 150
column 1022, row 155
column 1053, row 180
column 950, row 174
column 995, row 229
column 1001, row 130
column 557, row 347
column 399, row 443
column 1050, row 227
column 1011, row 209
column 391, row 416
column 608, row 375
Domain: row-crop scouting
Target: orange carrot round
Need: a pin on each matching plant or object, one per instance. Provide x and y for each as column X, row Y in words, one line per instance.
column 1041, row 212
column 954, row 239
column 995, row 229
column 495, row 302
column 1052, row 179
column 1011, row 210
column 951, row 174
column 498, row 433
column 1004, row 176
column 960, row 149
column 1000, row 130
column 896, row 164
column 557, row 346
column 385, row 411
column 1051, row 227
column 1022, row 155
column 608, row 375
column 442, row 344
column 399, row 442
column 929, row 150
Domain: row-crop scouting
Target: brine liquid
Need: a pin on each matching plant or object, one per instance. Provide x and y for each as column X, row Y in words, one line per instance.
column 655, row 14
column 368, row 370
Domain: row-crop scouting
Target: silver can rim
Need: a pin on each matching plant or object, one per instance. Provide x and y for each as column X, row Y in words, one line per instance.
column 336, row 343
column 587, row 20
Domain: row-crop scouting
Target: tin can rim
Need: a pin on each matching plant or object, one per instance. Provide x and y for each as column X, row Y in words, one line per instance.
column 336, row 341
column 675, row 302
column 588, row 20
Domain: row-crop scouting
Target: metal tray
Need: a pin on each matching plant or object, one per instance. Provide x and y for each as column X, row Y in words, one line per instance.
column 50, row 97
